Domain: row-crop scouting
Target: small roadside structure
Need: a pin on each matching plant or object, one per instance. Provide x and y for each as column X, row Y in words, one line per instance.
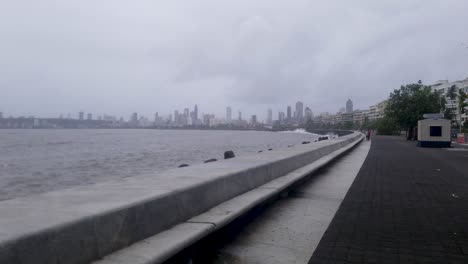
column 434, row 131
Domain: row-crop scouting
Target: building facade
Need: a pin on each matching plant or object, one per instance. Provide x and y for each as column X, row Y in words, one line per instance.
column 443, row 87
column 349, row 106
column 299, row 114
column 228, row 115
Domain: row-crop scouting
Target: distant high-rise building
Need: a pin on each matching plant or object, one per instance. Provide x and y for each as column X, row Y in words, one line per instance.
column 269, row 117
column 281, row 117
column 81, row 115
column 186, row 113
column 176, row 117
column 109, row 118
column 240, row 116
column 228, row 115
column 1, row 115
column 133, row 119
column 90, row 116
column 254, row 119
column 195, row 112
column 288, row 113
column 299, row 115
column 308, row 114
column 156, row 117
column 208, row 119
column 342, row 110
column 349, row 106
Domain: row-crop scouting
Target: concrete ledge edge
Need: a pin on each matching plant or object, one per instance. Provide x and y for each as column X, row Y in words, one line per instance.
column 218, row 216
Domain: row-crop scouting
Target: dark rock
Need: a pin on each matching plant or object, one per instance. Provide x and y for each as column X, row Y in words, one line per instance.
column 260, row 151
column 305, row 142
column 229, row 154
column 270, row 149
column 183, row 165
column 210, row 160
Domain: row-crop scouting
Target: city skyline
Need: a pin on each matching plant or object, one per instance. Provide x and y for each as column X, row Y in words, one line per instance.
column 84, row 115
column 193, row 118
column 262, row 114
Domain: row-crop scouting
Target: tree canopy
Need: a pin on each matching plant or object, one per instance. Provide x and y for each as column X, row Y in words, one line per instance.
column 408, row 104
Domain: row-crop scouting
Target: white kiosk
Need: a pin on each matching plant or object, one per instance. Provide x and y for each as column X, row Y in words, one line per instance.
column 434, row 131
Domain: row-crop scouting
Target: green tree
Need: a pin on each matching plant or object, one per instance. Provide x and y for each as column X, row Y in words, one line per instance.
column 462, row 104
column 348, row 125
column 408, row 104
column 452, row 92
column 387, row 126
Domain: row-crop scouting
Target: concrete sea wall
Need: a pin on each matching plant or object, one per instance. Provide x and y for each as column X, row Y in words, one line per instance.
column 83, row 224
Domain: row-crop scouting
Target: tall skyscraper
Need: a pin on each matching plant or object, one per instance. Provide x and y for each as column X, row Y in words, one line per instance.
column 288, row 113
column 269, row 117
column 186, row 113
column 133, row 119
column 240, row 116
column 308, row 114
column 281, row 117
column 228, row 115
column 90, row 116
column 254, row 119
column 195, row 112
column 81, row 115
column 349, row 106
column 176, row 117
column 156, row 117
column 299, row 111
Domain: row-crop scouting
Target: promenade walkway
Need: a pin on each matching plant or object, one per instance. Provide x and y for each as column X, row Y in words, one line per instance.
column 406, row 205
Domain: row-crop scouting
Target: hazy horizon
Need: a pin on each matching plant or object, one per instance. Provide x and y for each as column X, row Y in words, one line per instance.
column 119, row 57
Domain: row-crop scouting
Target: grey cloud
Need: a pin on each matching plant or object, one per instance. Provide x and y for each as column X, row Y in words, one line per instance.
column 118, row 57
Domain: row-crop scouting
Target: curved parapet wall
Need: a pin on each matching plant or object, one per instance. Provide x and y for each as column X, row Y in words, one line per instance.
column 82, row 224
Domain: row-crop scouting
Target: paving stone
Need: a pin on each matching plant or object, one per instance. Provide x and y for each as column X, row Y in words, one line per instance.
column 407, row 205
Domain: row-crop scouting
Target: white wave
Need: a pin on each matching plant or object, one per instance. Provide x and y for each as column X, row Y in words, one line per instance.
column 300, row 131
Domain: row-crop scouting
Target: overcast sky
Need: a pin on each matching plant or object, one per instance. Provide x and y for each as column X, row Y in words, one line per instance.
column 118, row 57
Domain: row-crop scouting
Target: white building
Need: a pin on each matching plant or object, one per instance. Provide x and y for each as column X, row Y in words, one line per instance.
column 443, row 86
column 377, row 111
column 229, row 115
column 358, row 116
column 269, row 117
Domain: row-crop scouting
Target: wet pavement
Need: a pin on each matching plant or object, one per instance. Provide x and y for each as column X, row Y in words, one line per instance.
column 407, row 205
column 290, row 229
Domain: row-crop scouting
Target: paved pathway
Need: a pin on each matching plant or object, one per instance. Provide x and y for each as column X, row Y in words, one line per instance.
column 288, row 230
column 407, row 205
